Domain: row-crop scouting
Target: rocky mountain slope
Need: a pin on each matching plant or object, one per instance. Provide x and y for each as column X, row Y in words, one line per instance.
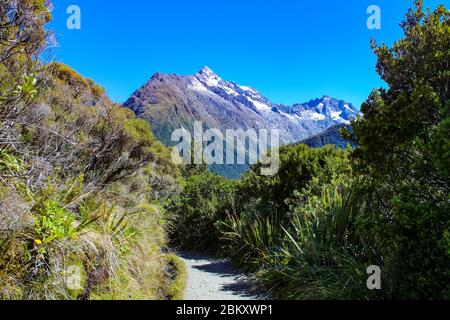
column 170, row 102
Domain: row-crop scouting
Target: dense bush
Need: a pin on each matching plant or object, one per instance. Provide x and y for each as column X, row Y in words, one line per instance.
column 307, row 243
column 318, row 255
column 301, row 168
column 206, row 201
column 297, row 231
column 81, row 179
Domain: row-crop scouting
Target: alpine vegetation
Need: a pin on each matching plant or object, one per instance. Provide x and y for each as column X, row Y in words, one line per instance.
column 82, row 180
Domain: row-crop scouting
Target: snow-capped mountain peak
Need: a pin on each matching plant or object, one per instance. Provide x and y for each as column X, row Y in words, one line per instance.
column 208, row 77
column 171, row 101
column 207, row 71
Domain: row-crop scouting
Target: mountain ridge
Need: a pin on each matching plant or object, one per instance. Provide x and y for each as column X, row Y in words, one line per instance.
column 172, row 101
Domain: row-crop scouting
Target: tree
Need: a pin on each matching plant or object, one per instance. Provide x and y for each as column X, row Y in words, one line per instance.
column 403, row 151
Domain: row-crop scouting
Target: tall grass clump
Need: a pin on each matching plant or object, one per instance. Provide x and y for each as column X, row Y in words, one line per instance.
column 321, row 255
column 251, row 238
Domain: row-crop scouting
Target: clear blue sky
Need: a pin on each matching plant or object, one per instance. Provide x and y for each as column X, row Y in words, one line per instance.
column 290, row 50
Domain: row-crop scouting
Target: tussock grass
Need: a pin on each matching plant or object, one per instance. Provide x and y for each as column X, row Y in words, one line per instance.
column 176, row 270
column 310, row 257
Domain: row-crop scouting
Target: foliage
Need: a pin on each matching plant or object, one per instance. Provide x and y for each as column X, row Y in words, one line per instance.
column 28, row 87
column 314, row 248
column 297, row 231
column 9, row 163
column 198, row 210
column 316, row 258
column 403, row 154
column 250, row 239
column 53, row 222
column 81, row 179
column 301, row 168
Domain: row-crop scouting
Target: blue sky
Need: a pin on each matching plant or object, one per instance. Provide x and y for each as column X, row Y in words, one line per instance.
column 290, row 50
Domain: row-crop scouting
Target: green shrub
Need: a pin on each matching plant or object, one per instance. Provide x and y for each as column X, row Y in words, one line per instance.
column 317, row 254
column 198, row 211
column 250, row 239
column 325, row 253
column 53, row 223
column 68, row 75
column 301, row 169
column 86, row 188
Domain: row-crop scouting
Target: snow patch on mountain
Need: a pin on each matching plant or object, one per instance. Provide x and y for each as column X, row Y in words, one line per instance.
column 259, row 105
column 311, row 115
column 198, row 86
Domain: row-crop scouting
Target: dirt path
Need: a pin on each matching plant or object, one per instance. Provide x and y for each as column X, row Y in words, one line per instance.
column 213, row 279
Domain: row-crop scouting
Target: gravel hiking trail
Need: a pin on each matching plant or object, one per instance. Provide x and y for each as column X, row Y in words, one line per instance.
column 215, row 279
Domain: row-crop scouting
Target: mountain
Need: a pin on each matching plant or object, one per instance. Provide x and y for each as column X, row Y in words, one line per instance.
column 169, row 102
column 330, row 136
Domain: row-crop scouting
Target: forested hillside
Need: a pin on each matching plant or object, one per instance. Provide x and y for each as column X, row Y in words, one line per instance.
column 332, row 136
column 81, row 179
